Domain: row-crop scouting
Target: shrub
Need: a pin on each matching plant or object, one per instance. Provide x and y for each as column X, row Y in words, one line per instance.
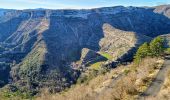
column 92, row 73
column 154, row 48
column 157, row 46
column 12, row 93
column 126, row 71
column 167, row 51
column 142, row 52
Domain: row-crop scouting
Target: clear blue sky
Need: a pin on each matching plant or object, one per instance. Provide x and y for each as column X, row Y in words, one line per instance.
column 76, row 4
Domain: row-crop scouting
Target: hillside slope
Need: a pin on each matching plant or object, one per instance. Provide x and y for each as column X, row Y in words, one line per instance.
column 39, row 48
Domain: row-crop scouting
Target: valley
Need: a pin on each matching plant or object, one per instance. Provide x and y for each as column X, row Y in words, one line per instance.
column 57, row 49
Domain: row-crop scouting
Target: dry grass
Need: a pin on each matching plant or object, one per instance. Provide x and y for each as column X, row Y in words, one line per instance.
column 164, row 93
column 147, row 71
column 85, row 91
column 103, row 87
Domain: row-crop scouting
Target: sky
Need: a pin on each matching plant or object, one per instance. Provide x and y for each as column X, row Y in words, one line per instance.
column 76, row 4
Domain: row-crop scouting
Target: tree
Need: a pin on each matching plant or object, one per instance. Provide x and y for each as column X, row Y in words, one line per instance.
column 154, row 49
column 156, row 46
column 142, row 52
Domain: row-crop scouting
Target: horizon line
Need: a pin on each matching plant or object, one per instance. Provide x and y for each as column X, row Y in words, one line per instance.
column 43, row 8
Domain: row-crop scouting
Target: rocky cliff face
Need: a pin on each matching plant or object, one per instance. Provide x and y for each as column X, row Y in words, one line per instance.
column 40, row 46
column 163, row 9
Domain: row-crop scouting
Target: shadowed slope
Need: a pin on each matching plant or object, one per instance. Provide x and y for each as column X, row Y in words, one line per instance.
column 51, row 40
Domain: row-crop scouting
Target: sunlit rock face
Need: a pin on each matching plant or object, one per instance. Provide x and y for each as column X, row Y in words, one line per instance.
column 41, row 46
column 163, row 9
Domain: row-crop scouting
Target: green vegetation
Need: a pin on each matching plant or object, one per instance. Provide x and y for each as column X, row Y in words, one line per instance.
column 167, row 51
column 85, row 78
column 96, row 66
column 126, row 71
column 154, row 49
column 17, row 94
column 106, row 55
column 92, row 73
column 157, row 46
column 13, row 93
column 143, row 51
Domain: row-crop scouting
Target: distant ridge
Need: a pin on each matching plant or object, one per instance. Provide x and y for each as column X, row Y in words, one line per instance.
column 42, row 48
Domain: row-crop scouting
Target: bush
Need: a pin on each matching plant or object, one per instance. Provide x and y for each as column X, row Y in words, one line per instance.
column 142, row 52
column 154, row 48
column 157, row 46
column 92, row 73
column 11, row 92
column 167, row 51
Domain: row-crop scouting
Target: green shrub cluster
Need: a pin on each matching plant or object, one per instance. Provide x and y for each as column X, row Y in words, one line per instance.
column 167, row 51
column 17, row 94
column 154, row 49
column 92, row 73
column 11, row 92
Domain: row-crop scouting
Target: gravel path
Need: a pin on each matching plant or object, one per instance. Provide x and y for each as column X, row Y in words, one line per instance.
column 157, row 83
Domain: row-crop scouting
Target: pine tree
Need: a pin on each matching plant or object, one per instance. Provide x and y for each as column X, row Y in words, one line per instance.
column 156, row 46
column 142, row 52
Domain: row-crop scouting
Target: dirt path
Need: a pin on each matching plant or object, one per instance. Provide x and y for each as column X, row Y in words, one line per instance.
column 157, row 83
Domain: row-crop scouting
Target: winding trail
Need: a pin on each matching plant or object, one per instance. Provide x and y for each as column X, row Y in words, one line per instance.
column 157, row 83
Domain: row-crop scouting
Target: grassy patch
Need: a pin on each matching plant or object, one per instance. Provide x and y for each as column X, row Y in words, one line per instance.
column 96, row 66
column 106, row 55
column 167, row 51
